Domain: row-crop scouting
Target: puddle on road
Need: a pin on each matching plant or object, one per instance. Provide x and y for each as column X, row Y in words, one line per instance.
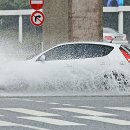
column 27, row 78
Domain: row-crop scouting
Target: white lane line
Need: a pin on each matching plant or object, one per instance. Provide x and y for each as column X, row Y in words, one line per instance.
column 120, row 108
column 52, row 121
column 67, row 105
column 5, row 123
column 40, row 101
column 33, row 127
column 84, row 111
column 53, row 103
column 27, row 100
column 106, row 120
column 86, row 107
column 29, row 112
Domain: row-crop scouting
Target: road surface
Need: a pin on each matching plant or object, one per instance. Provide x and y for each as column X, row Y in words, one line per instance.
column 65, row 113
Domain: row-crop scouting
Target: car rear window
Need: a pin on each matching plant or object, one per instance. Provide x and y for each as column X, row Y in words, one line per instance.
column 92, row 50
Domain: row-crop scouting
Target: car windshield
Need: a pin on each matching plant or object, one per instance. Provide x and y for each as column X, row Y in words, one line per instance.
column 109, row 30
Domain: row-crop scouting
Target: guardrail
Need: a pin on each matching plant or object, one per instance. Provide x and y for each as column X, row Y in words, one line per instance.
column 19, row 13
column 119, row 10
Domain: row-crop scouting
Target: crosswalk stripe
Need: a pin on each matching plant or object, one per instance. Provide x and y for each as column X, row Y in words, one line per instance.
column 40, row 101
column 120, row 108
column 29, row 112
column 5, row 123
column 106, row 120
column 84, row 111
column 67, row 105
column 52, row 121
column 9, row 124
column 27, row 100
column 54, row 103
column 86, row 107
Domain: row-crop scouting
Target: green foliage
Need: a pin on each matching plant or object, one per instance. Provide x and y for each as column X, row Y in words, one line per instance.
column 14, row 4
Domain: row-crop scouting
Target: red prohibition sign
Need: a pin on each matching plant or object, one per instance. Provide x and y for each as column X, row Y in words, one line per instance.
column 37, row 18
column 36, row 4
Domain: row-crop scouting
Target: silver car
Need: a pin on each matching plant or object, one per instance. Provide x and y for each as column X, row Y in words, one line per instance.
column 112, row 36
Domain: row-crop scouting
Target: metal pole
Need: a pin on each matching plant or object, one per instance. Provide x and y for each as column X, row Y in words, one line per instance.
column 20, row 29
column 42, row 46
column 120, row 22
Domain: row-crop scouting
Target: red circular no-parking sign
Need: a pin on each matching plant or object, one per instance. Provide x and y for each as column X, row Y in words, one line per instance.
column 37, row 18
column 36, row 4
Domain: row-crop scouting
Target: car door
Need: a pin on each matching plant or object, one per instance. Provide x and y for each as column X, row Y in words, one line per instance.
column 91, row 61
column 58, row 66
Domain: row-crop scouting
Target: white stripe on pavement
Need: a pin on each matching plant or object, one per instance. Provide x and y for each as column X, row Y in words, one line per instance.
column 120, row 108
column 40, row 101
column 84, row 111
column 106, row 120
column 86, row 107
column 29, row 112
column 52, row 121
column 28, row 100
column 53, row 103
column 5, row 123
column 67, row 105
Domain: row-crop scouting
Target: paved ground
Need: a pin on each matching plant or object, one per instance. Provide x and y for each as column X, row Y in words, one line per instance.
column 65, row 113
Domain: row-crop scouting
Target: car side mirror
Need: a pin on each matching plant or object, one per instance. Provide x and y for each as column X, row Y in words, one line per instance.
column 42, row 58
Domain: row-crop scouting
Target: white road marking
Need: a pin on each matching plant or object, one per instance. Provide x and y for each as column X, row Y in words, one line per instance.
column 5, row 123
column 53, row 103
column 40, row 101
column 84, row 111
column 106, row 120
column 29, row 112
column 120, row 108
column 67, row 105
column 27, row 100
column 86, row 107
column 52, row 121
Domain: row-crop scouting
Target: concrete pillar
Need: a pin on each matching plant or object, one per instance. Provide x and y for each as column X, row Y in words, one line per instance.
column 72, row 20
column 85, row 20
column 55, row 28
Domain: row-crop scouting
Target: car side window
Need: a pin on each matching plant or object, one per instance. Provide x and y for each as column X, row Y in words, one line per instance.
column 83, row 51
column 77, row 51
column 63, row 52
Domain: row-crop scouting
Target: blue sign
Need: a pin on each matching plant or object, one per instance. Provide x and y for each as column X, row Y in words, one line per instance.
column 119, row 2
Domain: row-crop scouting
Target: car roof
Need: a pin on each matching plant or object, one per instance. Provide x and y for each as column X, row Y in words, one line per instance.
column 69, row 43
column 98, row 43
